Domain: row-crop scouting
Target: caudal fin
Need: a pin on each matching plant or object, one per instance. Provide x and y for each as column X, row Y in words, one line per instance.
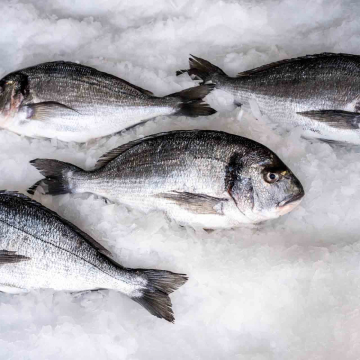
column 155, row 296
column 202, row 69
column 57, row 176
column 191, row 103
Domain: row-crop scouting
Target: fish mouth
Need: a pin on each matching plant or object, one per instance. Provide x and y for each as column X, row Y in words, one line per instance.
column 291, row 199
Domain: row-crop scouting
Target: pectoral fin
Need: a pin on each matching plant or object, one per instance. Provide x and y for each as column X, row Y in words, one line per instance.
column 196, row 203
column 337, row 119
column 47, row 110
column 10, row 257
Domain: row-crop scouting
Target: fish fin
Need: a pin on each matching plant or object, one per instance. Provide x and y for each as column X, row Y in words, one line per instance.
column 196, row 203
column 91, row 70
column 194, row 93
column 77, row 294
column 46, row 110
column 335, row 142
column 195, row 108
column 31, row 190
column 191, row 101
column 140, row 89
column 269, row 66
column 85, row 236
column 154, row 297
column 11, row 257
column 286, row 61
column 202, row 69
column 337, row 119
column 114, row 153
column 57, row 175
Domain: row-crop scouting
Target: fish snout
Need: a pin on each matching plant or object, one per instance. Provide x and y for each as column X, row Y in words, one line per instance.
column 291, row 201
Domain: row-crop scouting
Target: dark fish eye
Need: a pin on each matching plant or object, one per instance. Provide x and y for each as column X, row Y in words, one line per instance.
column 271, row 177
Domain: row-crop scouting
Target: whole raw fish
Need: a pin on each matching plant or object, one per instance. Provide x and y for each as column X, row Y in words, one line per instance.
column 72, row 102
column 39, row 249
column 197, row 177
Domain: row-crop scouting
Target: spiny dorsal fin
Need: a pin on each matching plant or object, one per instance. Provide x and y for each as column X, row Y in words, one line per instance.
column 143, row 91
column 94, row 71
column 114, row 153
column 286, row 61
column 85, row 236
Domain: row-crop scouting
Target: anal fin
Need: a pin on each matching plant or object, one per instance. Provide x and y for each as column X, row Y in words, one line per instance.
column 196, row 203
column 337, row 119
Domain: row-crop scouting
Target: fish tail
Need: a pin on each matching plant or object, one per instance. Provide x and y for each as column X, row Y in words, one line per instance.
column 57, row 174
column 202, row 69
column 192, row 103
column 154, row 297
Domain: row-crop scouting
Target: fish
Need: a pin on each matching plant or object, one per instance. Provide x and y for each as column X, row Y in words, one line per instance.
column 200, row 178
column 72, row 102
column 319, row 94
column 41, row 250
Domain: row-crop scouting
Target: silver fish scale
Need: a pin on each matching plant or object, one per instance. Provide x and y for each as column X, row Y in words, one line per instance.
column 60, row 258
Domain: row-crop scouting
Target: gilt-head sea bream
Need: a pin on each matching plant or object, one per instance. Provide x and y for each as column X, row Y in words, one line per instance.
column 197, row 177
column 72, row 102
column 318, row 94
column 39, row 249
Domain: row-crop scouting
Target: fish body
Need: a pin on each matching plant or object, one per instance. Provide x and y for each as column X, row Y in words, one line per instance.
column 72, row 102
column 39, row 249
column 201, row 178
column 317, row 93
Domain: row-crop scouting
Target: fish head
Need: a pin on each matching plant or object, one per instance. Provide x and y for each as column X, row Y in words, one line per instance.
column 4, row 96
column 263, row 188
column 11, row 97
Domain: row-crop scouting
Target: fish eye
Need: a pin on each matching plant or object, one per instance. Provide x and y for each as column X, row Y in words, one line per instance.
column 271, row 177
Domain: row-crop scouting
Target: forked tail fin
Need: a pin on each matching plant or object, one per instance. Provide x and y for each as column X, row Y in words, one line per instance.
column 155, row 296
column 191, row 101
column 202, row 69
column 57, row 174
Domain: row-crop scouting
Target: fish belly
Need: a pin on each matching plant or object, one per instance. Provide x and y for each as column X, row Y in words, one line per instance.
column 85, row 125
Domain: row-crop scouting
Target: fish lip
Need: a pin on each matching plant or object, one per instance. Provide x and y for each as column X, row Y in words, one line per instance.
column 291, row 199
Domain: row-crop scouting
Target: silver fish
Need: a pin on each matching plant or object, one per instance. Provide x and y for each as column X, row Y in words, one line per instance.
column 39, row 249
column 204, row 178
column 72, row 102
column 317, row 93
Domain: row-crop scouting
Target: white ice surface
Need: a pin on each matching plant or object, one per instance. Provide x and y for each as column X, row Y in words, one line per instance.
column 289, row 289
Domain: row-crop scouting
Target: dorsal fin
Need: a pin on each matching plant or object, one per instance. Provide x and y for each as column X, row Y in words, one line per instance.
column 146, row 92
column 112, row 154
column 286, row 61
column 93, row 71
column 81, row 233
